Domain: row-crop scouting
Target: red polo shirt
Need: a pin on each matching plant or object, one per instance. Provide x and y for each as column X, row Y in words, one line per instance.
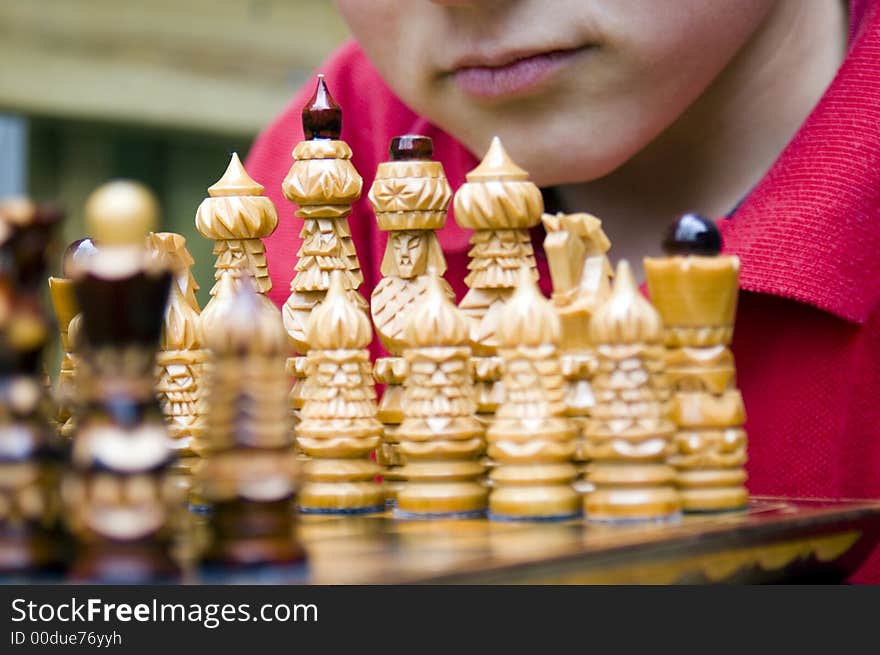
column 807, row 336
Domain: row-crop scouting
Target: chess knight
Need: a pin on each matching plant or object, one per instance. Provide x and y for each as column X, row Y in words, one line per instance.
column 531, row 441
column 119, row 498
column 695, row 290
column 324, row 184
column 500, row 204
column 410, row 196
column 577, row 250
column 629, row 437
column 30, row 518
column 182, row 357
column 441, row 441
column 338, row 429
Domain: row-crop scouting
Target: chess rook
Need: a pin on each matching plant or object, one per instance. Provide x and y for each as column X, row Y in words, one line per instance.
column 31, row 539
column 338, row 429
column 629, row 437
column 410, row 196
column 695, row 290
column 500, row 204
column 531, row 441
column 249, row 473
column 119, row 497
column 323, row 183
column 441, row 441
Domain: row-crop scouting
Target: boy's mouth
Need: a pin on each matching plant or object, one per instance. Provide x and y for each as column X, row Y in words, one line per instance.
column 514, row 74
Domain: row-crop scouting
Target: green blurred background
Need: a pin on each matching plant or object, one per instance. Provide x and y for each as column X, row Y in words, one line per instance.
column 161, row 91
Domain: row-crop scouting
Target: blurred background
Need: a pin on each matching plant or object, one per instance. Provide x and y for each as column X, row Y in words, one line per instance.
column 161, row 91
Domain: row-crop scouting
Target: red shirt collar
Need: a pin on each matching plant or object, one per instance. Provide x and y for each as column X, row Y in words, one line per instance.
column 810, row 230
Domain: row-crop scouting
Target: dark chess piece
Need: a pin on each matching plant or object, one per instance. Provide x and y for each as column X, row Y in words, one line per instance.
column 119, row 497
column 31, row 539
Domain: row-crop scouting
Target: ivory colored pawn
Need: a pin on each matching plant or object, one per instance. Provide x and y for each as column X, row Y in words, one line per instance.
column 630, row 438
column 441, row 441
column 695, row 290
column 338, row 429
column 531, row 441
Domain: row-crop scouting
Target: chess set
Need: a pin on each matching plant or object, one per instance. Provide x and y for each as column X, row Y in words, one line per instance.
column 181, row 438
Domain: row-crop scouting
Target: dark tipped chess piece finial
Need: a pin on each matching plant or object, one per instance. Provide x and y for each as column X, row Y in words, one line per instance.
column 413, row 147
column 695, row 289
column 692, row 234
column 322, row 117
column 31, row 540
column 249, row 473
column 119, row 498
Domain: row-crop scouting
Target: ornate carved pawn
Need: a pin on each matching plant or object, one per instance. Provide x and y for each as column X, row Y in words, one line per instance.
column 249, row 474
column 500, row 204
column 441, row 441
column 629, row 438
column 410, row 196
column 323, row 183
column 576, row 250
column 695, row 290
column 338, row 428
column 531, row 441
column 31, row 540
column 119, row 498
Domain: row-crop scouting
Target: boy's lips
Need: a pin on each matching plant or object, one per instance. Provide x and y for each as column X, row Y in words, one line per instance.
column 514, row 74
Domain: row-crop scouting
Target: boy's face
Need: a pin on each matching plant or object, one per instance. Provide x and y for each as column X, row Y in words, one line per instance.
column 574, row 88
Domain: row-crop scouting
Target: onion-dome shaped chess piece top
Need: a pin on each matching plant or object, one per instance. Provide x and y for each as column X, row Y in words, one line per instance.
column 324, row 184
column 338, row 429
column 181, row 359
column 237, row 216
column 31, row 538
column 249, row 474
column 629, row 438
column 119, row 498
column 410, row 196
column 70, row 327
column 577, row 248
column 441, row 441
column 695, row 289
column 531, row 441
column 500, row 204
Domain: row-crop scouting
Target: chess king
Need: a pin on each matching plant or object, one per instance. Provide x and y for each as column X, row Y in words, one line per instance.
column 30, row 535
column 695, row 290
column 118, row 495
column 410, row 196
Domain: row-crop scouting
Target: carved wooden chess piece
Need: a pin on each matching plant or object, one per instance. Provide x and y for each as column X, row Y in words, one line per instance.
column 410, row 196
column 576, row 250
column 182, row 356
column 629, row 438
column 119, row 497
column 500, row 204
column 441, row 441
column 695, row 290
column 338, row 428
column 236, row 215
column 249, row 473
column 69, row 326
column 324, row 184
column 30, row 535
column 531, row 441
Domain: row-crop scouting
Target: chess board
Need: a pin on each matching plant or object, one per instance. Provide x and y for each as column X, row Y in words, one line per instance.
column 774, row 540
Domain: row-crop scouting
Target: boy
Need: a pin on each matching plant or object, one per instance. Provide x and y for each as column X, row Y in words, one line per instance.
column 766, row 112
